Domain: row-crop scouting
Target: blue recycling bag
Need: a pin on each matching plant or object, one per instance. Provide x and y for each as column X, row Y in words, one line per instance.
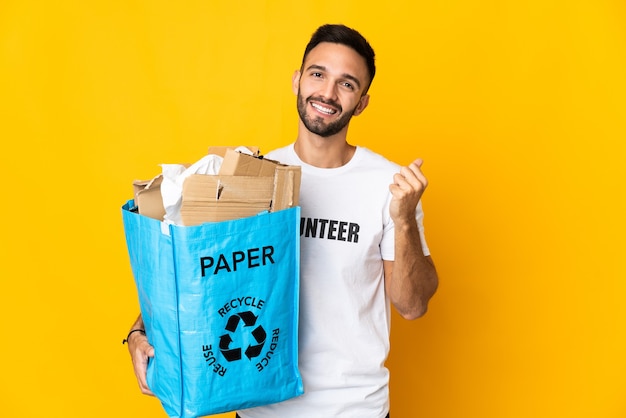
column 220, row 305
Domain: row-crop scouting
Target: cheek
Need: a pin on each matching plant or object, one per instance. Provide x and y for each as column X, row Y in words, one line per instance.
column 361, row 105
column 306, row 89
column 350, row 103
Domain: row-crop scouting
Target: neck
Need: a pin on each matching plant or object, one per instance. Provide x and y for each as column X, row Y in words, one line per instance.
column 323, row 152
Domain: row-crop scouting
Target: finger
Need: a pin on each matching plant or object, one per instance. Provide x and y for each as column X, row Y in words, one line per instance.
column 143, row 385
column 418, row 162
column 141, row 373
column 411, row 177
column 396, row 190
column 416, row 168
column 141, row 356
column 401, row 185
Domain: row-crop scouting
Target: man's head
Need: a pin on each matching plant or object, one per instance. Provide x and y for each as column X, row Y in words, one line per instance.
column 343, row 35
column 336, row 72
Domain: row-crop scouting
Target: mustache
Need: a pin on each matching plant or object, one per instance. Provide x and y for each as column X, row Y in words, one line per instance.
column 325, row 101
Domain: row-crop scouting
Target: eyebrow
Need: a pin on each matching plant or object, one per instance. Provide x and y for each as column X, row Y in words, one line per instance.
column 345, row 75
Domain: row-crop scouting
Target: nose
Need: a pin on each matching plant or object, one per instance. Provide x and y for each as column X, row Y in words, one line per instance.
column 329, row 90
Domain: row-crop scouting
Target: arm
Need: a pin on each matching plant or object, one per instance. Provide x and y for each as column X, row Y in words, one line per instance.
column 140, row 350
column 411, row 279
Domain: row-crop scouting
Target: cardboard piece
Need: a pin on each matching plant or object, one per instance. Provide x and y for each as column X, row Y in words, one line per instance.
column 148, row 197
column 219, row 198
column 245, row 186
column 238, row 164
column 287, row 180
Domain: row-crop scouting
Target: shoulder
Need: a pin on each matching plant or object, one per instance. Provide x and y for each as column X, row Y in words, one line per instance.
column 283, row 154
column 375, row 161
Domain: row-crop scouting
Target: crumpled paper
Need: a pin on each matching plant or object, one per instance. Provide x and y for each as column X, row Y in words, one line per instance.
column 175, row 174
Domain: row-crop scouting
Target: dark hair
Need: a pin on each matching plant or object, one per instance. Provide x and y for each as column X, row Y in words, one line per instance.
column 341, row 34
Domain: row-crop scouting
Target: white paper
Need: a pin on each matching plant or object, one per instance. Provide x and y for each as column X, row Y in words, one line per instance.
column 172, row 187
column 175, row 174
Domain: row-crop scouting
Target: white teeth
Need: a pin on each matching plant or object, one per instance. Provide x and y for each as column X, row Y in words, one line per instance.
column 323, row 109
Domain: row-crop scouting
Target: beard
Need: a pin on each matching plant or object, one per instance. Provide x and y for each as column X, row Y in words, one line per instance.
column 317, row 125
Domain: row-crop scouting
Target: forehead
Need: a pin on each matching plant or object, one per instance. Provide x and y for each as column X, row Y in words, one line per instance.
column 337, row 58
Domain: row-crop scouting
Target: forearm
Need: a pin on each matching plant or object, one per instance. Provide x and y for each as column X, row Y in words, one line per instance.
column 138, row 324
column 413, row 278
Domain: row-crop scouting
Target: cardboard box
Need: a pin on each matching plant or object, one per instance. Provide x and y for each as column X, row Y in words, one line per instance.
column 245, row 186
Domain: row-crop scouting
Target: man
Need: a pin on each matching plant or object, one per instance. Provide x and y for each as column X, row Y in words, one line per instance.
column 349, row 276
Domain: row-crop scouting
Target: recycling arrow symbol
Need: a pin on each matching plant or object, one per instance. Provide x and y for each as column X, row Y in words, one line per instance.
column 232, row 325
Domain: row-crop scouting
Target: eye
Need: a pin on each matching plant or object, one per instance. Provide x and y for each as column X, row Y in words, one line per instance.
column 316, row 74
column 347, row 85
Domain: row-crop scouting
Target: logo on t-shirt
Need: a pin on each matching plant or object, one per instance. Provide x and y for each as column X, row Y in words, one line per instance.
column 329, row 229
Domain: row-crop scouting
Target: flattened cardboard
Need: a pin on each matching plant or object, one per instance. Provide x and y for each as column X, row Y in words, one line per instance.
column 221, row 198
column 287, row 180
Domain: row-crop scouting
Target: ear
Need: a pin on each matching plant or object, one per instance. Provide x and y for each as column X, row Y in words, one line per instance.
column 295, row 81
column 363, row 102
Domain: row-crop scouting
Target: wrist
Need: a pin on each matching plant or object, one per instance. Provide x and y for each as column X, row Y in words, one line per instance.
column 405, row 224
column 133, row 331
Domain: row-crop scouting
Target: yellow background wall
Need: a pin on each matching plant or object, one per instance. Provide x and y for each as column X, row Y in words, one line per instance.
column 518, row 109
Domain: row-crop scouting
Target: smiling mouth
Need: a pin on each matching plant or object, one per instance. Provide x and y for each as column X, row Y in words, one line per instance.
column 323, row 109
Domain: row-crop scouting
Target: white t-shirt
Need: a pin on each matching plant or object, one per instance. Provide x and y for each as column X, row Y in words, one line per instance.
column 346, row 232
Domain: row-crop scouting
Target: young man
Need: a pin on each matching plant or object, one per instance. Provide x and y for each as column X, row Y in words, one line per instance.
column 362, row 242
